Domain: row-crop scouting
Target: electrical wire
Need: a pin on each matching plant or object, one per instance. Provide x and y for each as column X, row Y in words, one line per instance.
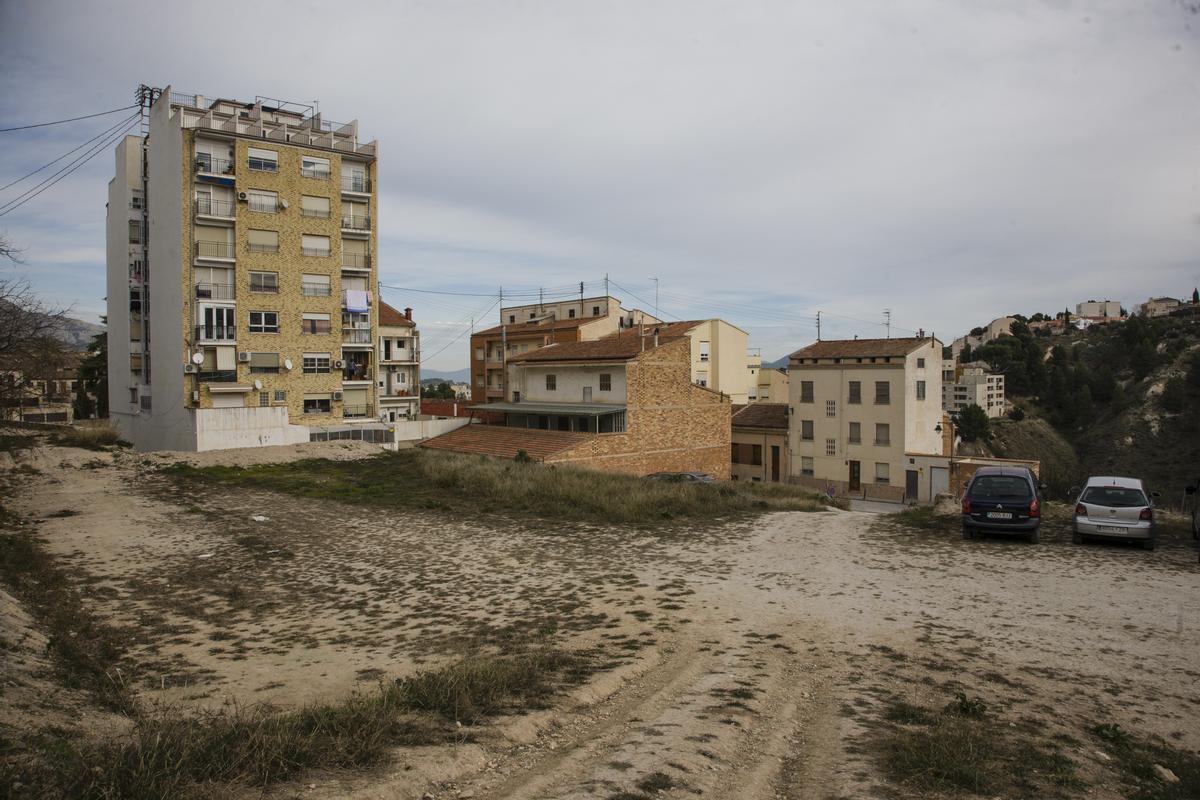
column 61, row 121
column 463, row 333
column 658, row 310
column 30, row 194
column 64, row 155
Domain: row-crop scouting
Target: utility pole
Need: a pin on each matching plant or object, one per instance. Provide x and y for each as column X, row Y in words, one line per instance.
column 887, row 321
column 606, row 284
column 503, row 353
column 655, row 297
column 818, row 326
column 581, row 299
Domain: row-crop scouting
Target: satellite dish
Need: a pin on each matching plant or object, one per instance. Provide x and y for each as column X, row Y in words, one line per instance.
column 287, row 363
column 258, row 384
column 197, row 358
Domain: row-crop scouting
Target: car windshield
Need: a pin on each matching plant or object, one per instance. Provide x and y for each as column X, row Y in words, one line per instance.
column 999, row 487
column 1114, row 496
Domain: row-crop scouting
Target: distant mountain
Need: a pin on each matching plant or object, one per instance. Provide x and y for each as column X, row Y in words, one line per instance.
column 779, row 363
column 457, row 376
column 77, row 334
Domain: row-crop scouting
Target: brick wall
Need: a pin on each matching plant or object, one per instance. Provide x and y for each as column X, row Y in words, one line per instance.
column 672, row 425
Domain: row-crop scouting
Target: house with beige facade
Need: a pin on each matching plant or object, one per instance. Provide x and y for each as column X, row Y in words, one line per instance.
column 759, row 446
column 242, row 255
column 765, row 385
column 399, row 357
column 625, row 402
column 867, row 418
column 1098, row 310
column 1160, row 306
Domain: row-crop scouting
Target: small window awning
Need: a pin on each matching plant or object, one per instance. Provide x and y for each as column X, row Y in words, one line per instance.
column 553, row 409
column 229, row 388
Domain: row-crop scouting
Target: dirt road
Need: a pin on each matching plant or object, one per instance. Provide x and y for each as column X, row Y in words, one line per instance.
column 748, row 662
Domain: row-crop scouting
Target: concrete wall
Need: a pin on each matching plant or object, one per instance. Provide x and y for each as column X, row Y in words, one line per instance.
column 117, row 250
column 672, row 425
column 419, row 430
column 922, row 417
column 224, row 428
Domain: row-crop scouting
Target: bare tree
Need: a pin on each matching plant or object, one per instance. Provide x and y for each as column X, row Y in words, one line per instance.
column 30, row 350
column 9, row 250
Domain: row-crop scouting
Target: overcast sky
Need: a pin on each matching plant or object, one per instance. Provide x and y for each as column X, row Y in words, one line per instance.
column 950, row 161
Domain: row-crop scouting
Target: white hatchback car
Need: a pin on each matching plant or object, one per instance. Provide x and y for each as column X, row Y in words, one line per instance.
column 1115, row 508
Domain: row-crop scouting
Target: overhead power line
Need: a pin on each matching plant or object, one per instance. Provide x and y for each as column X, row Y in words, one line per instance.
column 61, row 121
column 64, row 155
column 461, row 334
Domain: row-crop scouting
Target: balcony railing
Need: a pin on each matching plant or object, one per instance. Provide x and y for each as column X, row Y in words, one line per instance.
column 214, row 291
column 356, row 372
column 260, row 247
column 218, row 375
column 355, row 183
column 216, row 333
column 355, row 336
column 218, row 166
column 315, row 326
column 356, row 222
column 315, row 289
column 313, row 251
column 355, row 411
column 315, row 172
column 322, row 213
column 214, row 208
column 356, row 261
column 263, row 205
column 406, row 355
column 214, row 250
column 345, row 293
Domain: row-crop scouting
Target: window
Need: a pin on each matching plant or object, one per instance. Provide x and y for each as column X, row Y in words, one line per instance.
column 806, row 391
column 512, row 319
column 311, row 206
column 479, row 354
column 135, row 231
column 551, row 383
column 831, row 408
column 570, row 313
column 883, row 393
column 806, row 465
column 263, row 241
column 311, row 167
column 855, row 393
column 264, row 322
column 831, row 447
column 263, row 160
column 920, row 363
column 855, row 436
column 264, row 281
column 702, row 379
column 704, row 351
column 595, row 311
column 316, row 405
column 280, row 396
column 314, row 245
column 315, row 323
column 756, row 455
column 314, row 285
column 734, row 453
column 264, row 398
column 605, row 382
column 883, row 434
column 882, row 472
column 316, row 363
column 264, row 363
column 262, row 200
column 920, row 390
column 806, row 430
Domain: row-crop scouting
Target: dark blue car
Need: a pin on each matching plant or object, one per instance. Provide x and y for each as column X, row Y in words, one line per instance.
column 1002, row 500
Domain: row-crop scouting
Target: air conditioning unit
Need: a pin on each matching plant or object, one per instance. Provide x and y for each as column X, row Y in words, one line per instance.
column 190, row 369
column 243, row 196
column 337, row 395
column 244, row 357
column 339, row 364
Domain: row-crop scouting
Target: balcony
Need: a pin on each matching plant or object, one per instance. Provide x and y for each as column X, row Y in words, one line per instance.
column 355, row 411
column 356, row 372
column 356, row 183
column 263, row 205
column 399, row 393
column 345, row 293
column 316, row 326
column 356, row 336
column 356, row 261
column 213, row 166
column 216, row 333
column 354, row 222
column 215, row 208
column 315, row 289
column 218, row 376
column 405, row 356
column 320, row 213
column 222, row 250
column 214, row 291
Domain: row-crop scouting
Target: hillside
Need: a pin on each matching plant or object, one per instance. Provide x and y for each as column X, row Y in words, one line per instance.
column 1036, row 438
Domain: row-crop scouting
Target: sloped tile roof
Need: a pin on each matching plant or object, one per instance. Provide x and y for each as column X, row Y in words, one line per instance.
column 860, row 348
column 762, row 415
column 520, row 328
column 392, row 317
column 620, row 346
column 504, row 442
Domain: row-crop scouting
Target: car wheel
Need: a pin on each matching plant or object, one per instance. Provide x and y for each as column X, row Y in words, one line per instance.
column 1148, row 544
column 1077, row 538
column 968, row 533
column 1033, row 537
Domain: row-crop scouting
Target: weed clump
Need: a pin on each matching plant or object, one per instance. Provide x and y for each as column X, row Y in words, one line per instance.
column 88, row 437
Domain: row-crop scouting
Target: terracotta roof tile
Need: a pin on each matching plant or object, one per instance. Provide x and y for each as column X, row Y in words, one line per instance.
column 762, row 415
column 392, row 317
column 620, row 346
column 504, row 442
column 519, row 328
column 860, row 348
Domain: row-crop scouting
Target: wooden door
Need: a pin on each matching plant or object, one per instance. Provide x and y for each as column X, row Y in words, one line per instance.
column 775, row 463
column 855, row 476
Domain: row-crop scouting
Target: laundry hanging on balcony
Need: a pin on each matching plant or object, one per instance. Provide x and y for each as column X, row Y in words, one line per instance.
column 358, row 300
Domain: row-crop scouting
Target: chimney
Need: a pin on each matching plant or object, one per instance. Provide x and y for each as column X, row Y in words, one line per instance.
column 408, row 314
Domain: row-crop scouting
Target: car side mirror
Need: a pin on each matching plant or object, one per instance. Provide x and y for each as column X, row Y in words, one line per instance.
column 1189, row 490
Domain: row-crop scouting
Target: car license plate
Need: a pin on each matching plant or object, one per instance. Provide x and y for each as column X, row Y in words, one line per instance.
column 999, row 515
column 1111, row 529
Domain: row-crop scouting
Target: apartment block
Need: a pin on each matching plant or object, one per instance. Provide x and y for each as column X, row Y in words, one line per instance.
column 765, row 385
column 867, row 416
column 972, row 384
column 1099, row 310
column 759, row 446
column 399, row 364
column 241, row 264
column 625, row 402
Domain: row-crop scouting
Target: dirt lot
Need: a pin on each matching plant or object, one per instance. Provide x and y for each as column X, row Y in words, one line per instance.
column 751, row 661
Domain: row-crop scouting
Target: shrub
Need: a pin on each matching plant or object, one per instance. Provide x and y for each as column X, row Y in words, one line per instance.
column 1174, row 395
column 88, row 437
